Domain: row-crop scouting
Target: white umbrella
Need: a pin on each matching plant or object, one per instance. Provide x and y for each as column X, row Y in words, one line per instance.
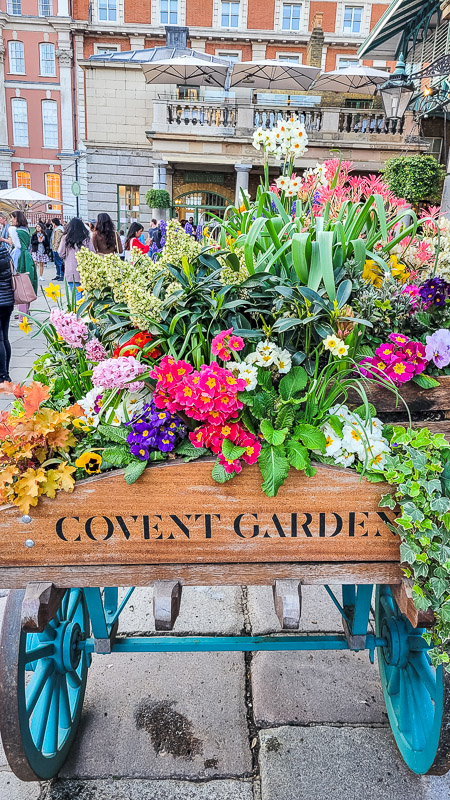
column 194, row 71
column 273, row 75
column 20, row 197
column 361, row 79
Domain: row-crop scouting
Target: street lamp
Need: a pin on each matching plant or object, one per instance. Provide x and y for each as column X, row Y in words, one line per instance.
column 396, row 92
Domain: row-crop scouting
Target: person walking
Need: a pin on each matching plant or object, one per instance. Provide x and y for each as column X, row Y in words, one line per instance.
column 155, row 233
column 76, row 236
column 19, row 238
column 57, row 234
column 6, row 310
column 133, row 239
column 4, row 227
column 105, row 238
column 40, row 248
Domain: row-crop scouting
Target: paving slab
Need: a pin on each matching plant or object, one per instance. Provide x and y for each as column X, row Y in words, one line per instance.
column 163, row 716
column 310, row 687
column 204, row 609
column 325, row 763
column 319, row 614
column 147, row 790
column 13, row 789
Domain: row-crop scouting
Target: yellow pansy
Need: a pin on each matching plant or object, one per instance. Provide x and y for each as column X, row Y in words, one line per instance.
column 90, row 462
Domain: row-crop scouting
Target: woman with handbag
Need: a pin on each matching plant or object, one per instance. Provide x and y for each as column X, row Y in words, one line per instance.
column 105, row 237
column 76, row 235
column 6, row 309
column 19, row 236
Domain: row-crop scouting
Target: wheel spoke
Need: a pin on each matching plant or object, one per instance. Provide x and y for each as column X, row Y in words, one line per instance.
column 387, row 604
column 41, row 651
column 50, row 744
column 417, row 733
column 74, row 600
column 425, row 673
column 404, row 721
column 49, row 633
column 74, row 680
column 393, row 685
column 65, row 713
column 39, row 719
column 36, row 684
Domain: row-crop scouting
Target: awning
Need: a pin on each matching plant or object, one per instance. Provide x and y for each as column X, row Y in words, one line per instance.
column 400, row 23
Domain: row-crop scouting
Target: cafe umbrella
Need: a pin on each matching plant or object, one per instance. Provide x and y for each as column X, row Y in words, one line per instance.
column 269, row 74
column 189, row 70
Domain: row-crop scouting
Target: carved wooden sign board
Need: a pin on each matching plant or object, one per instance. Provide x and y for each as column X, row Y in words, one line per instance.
column 177, row 514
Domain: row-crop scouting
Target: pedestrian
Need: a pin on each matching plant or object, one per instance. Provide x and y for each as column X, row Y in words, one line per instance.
column 4, row 227
column 6, row 309
column 76, row 236
column 91, row 225
column 57, row 234
column 133, row 239
column 19, row 238
column 155, row 233
column 122, row 239
column 40, row 248
column 105, row 238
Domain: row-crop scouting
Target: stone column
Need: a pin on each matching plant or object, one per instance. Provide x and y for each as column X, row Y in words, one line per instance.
column 160, row 182
column 315, row 44
column 445, row 202
column 242, row 173
column 65, row 57
column 5, row 150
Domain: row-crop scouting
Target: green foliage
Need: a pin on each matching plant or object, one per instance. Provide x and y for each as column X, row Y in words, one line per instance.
column 157, row 198
column 274, row 467
column 416, row 178
column 134, row 471
column 117, row 456
column 219, row 474
column 189, row 451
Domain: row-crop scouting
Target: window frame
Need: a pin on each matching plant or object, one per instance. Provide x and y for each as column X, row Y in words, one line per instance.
column 12, row 71
column 102, row 49
column 44, row 104
column 291, row 5
column 56, row 206
column 27, row 183
column 11, row 4
column 350, row 30
column 230, row 3
column 46, row 3
column 341, row 57
column 168, row 12
column 15, row 103
column 107, row 4
column 41, row 61
column 289, row 57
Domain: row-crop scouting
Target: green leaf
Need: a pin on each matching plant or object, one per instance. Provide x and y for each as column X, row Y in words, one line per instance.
column 388, row 501
column 274, row 468
column 425, row 381
column 439, row 586
column 272, row 436
column 313, row 438
column 361, row 410
column 284, row 418
column 297, row 454
column 292, row 383
column 408, row 553
column 412, row 512
column 134, row 470
column 336, row 423
column 231, row 451
column 263, row 403
column 118, row 456
column 114, row 433
column 440, row 505
column 189, row 451
column 219, row 474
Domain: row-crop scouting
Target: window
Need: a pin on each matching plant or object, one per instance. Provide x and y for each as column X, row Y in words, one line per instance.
column 47, row 59
column 292, row 58
column 107, row 10
column 15, row 7
column 16, row 57
column 343, row 62
column 169, row 12
column 53, row 189
column 230, row 14
column 105, row 48
column 49, row 123
column 19, row 121
column 352, row 19
column 128, row 205
column 45, row 8
column 230, row 55
column 291, row 16
column 23, row 179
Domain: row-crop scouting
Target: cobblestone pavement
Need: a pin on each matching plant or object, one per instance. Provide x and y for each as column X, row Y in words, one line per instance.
column 228, row 726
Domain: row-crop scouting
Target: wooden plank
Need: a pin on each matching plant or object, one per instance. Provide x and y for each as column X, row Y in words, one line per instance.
column 419, row 401
column 310, row 574
column 403, row 597
column 176, row 513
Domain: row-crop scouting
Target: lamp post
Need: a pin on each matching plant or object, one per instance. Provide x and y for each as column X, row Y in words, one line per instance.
column 396, row 92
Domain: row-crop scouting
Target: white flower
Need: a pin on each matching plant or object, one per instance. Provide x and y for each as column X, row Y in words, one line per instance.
column 333, row 441
column 353, row 439
column 249, row 374
column 345, row 458
column 282, row 182
column 377, row 453
column 374, row 430
column 340, row 350
column 251, row 358
column 233, row 366
column 282, row 360
column 266, row 352
column 342, row 412
column 331, row 342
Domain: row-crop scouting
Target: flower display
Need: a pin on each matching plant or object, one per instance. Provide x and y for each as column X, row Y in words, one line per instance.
column 154, row 429
column 225, row 343
column 360, row 440
column 52, row 291
column 90, row 462
column 136, row 345
column 94, row 350
column 93, row 403
column 335, row 345
column 434, row 292
column 437, row 348
column 213, row 436
column 397, row 360
column 285, row 140
column 69, row 327
column 119, row 373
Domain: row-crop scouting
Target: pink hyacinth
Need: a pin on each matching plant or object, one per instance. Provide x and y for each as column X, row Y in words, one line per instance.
column 95, row 351
column 119, row 373
column 67, row 325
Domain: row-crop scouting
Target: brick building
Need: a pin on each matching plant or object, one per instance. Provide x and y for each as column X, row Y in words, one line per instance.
column 74, row 104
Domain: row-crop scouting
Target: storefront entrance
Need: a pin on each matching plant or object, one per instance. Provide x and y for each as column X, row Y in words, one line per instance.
column 200, row 205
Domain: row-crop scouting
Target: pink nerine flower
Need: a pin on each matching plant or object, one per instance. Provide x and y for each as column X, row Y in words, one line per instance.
column 95, row 351
column 119, row 373
column 67, row 325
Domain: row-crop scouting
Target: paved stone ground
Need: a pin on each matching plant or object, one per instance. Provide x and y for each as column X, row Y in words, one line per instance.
column 228, row 726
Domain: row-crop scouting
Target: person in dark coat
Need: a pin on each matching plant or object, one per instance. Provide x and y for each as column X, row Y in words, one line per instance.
column 155, row 233
column 6, row 309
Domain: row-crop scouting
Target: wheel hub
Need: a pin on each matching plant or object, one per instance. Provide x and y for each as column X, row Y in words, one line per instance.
column 67, row 650
column 396, row 649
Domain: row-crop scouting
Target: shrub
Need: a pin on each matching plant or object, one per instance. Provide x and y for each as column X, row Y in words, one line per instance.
column 157, row 198
column 416, row 178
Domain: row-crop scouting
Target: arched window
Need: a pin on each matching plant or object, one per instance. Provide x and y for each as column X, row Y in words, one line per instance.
column 19, row 113
column 47, row 58
column 23, row 179
column 16, row 54
column 49, row 123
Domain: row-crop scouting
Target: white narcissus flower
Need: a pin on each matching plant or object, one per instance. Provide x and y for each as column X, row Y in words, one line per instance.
column 340, row 350
column 283, row 182
column 283, row 360
column 330, row 342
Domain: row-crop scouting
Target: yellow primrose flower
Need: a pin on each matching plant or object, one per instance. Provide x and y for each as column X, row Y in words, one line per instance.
column 372, row 273
column 398, row 270
column 25, row 325
column 52, row 291
column 90, row 462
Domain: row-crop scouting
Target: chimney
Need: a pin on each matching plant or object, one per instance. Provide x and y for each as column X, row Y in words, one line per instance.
column 176, row 36
column 315, row 44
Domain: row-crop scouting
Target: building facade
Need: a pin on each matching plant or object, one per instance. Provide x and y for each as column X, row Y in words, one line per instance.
column 74, row 107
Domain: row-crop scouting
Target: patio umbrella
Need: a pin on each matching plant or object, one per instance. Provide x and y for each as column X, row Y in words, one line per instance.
column 273, row 75
column 22, row 198
column 361, row 79
column 194, row 71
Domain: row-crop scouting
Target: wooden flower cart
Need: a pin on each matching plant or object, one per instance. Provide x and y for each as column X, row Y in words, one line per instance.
column 176, row 528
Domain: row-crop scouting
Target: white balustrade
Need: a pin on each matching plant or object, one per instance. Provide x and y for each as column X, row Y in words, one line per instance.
column 367, row 122
column 268, row 118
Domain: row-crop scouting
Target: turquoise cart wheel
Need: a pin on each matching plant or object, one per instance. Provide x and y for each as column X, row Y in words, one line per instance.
column 42, row 685
column 417, row 696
